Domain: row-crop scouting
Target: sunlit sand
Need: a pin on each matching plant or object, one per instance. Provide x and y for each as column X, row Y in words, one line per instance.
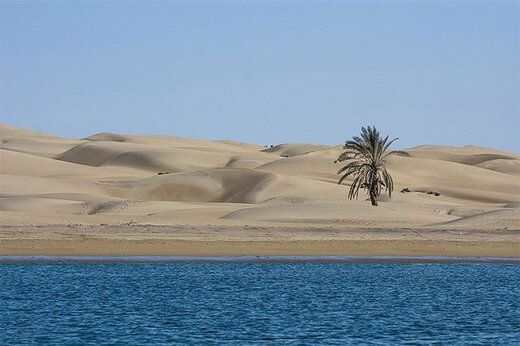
column 111, row 194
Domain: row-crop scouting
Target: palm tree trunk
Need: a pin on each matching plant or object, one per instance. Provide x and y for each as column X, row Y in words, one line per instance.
column 373, row 193
column 373, row 199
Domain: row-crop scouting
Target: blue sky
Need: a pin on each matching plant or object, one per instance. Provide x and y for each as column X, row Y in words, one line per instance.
column 442, row 72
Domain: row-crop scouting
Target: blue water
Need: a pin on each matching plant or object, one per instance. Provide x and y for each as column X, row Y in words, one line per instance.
column 259, row 303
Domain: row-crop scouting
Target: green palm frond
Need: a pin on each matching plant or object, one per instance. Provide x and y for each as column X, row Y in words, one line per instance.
column 366, row 158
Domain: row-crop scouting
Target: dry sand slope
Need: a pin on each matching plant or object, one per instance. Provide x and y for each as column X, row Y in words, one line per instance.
column 162, row 180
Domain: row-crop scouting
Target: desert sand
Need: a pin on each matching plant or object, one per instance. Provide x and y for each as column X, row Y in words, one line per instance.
column 111, row 194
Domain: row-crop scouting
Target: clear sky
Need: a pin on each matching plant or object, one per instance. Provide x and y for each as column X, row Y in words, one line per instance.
column 267, row 72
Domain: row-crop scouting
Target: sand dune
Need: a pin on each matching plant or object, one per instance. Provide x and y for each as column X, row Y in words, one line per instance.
column 497, row 218
column 32, row 142
column 116, row 179
column 294, row 149
column 142, row 157
column 338, row 212
column 317, row 166
column 236, row 185
column 506, row 166
column 468, row 155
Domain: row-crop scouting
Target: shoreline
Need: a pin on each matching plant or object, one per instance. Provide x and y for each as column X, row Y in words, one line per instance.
column 260, row 259
column 236, row 241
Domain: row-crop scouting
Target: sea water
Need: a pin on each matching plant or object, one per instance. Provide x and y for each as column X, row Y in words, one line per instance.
column 259, row 303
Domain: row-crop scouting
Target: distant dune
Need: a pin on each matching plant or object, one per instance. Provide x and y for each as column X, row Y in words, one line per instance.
column 38, row 168
column 115, row 179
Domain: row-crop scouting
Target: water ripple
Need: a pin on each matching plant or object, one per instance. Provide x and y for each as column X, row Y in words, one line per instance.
column 260, row 303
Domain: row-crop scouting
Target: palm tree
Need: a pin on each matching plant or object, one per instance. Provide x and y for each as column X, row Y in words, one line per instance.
column 367, row 155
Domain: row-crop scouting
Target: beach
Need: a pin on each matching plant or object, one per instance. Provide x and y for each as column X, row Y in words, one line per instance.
column 149, row 240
